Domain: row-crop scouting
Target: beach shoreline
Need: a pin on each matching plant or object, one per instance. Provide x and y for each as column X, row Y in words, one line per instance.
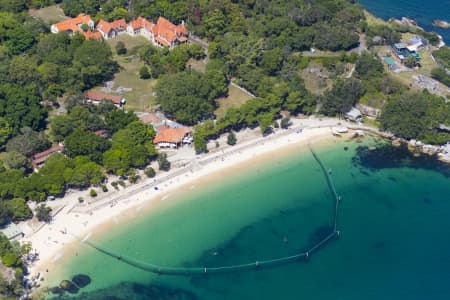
column 58, row 241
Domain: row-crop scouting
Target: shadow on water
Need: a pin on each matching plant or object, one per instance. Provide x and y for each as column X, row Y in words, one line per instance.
column 135, row 291
column 386, row 156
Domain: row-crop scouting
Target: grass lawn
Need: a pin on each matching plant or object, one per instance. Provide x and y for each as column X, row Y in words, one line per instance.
column 235, row 98
column 131, row 42
column 140, row 98
column 197, row 65
column 316, row 78
column 49, row 15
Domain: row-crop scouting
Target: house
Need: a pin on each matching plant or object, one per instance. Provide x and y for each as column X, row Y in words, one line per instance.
column 96, row 98
column 110, row 30
column 92, row 35
column 354, row 115
column 12, row 232
column 167, row 137
column 38, row 159
column 401, row 52
column 141, row 26
column 167, row 34
column 152, row 119
column 73, row 25
column 164, row 33
column 415, row 43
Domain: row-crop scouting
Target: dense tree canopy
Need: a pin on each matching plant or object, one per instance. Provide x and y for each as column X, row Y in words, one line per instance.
column 188, row 96
column 342, row 96
column 417, row 116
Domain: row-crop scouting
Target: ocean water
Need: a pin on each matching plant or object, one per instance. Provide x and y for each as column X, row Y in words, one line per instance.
column 423, row 11
column 394, row 222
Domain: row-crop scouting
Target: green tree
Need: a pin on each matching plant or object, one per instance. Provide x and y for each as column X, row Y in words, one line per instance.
column 368, row 66
column 187, row 96
column 163, row 163
column 144, row 73
column 43, row 213
column 410, row 62
column 19, row 208
column 116, row 161
column 19, row 40
column 5, row 132
column 342, row 96
column 16, row 160
column 28, row 142
column 285, row 123
column 271, row 61
column 231, row 139
column 150, row 172
column 215, row 23
column 120, row 48
column 87, row 144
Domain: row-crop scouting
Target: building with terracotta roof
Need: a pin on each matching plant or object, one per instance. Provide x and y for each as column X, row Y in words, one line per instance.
column 92, row 97
column 38, row 159
column 73, row 25
column 164, row 33
column 167, row 137
column 92, row 35
column 151, row 118
column 110, row 30
column 167, row 34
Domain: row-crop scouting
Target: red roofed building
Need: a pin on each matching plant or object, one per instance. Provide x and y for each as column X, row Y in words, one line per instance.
column 167, row 137
column 111, row 29
column 167, row 34
column 141, row 26
column 92, row 97
column 92, row 35
column 164, row 33
column 38, row 159
column 73, row 25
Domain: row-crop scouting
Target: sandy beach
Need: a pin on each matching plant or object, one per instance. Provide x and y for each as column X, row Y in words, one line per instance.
column 56, row 241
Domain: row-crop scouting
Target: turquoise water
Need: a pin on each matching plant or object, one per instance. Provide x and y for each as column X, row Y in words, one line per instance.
column 422, row 11
column 394, row 223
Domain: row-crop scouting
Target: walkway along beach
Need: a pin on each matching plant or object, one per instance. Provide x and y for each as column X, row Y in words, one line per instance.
column 82, row 220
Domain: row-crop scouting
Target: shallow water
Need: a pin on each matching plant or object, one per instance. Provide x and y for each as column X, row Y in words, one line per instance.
column 394, row 221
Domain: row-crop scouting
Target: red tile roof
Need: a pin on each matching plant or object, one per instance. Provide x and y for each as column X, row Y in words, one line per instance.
column 92, row 35
column 167, row 32
column 72, row 24
column 162, row 41
column 149, row 118
column 171, row 135
column 106, row 26
column 40, row 157
column 97, row 96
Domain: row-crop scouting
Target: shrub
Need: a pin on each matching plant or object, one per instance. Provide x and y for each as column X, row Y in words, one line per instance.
column 144, row 73
column 163, row 163
column 93, row 193
column 150, row 172
column 120, row 48
column 43, row 213
column 104, row 188
column 114, row 184
column 231, row 139
column 134, row 178
column 285, row 123
column 80, row 199
column 121, row 183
